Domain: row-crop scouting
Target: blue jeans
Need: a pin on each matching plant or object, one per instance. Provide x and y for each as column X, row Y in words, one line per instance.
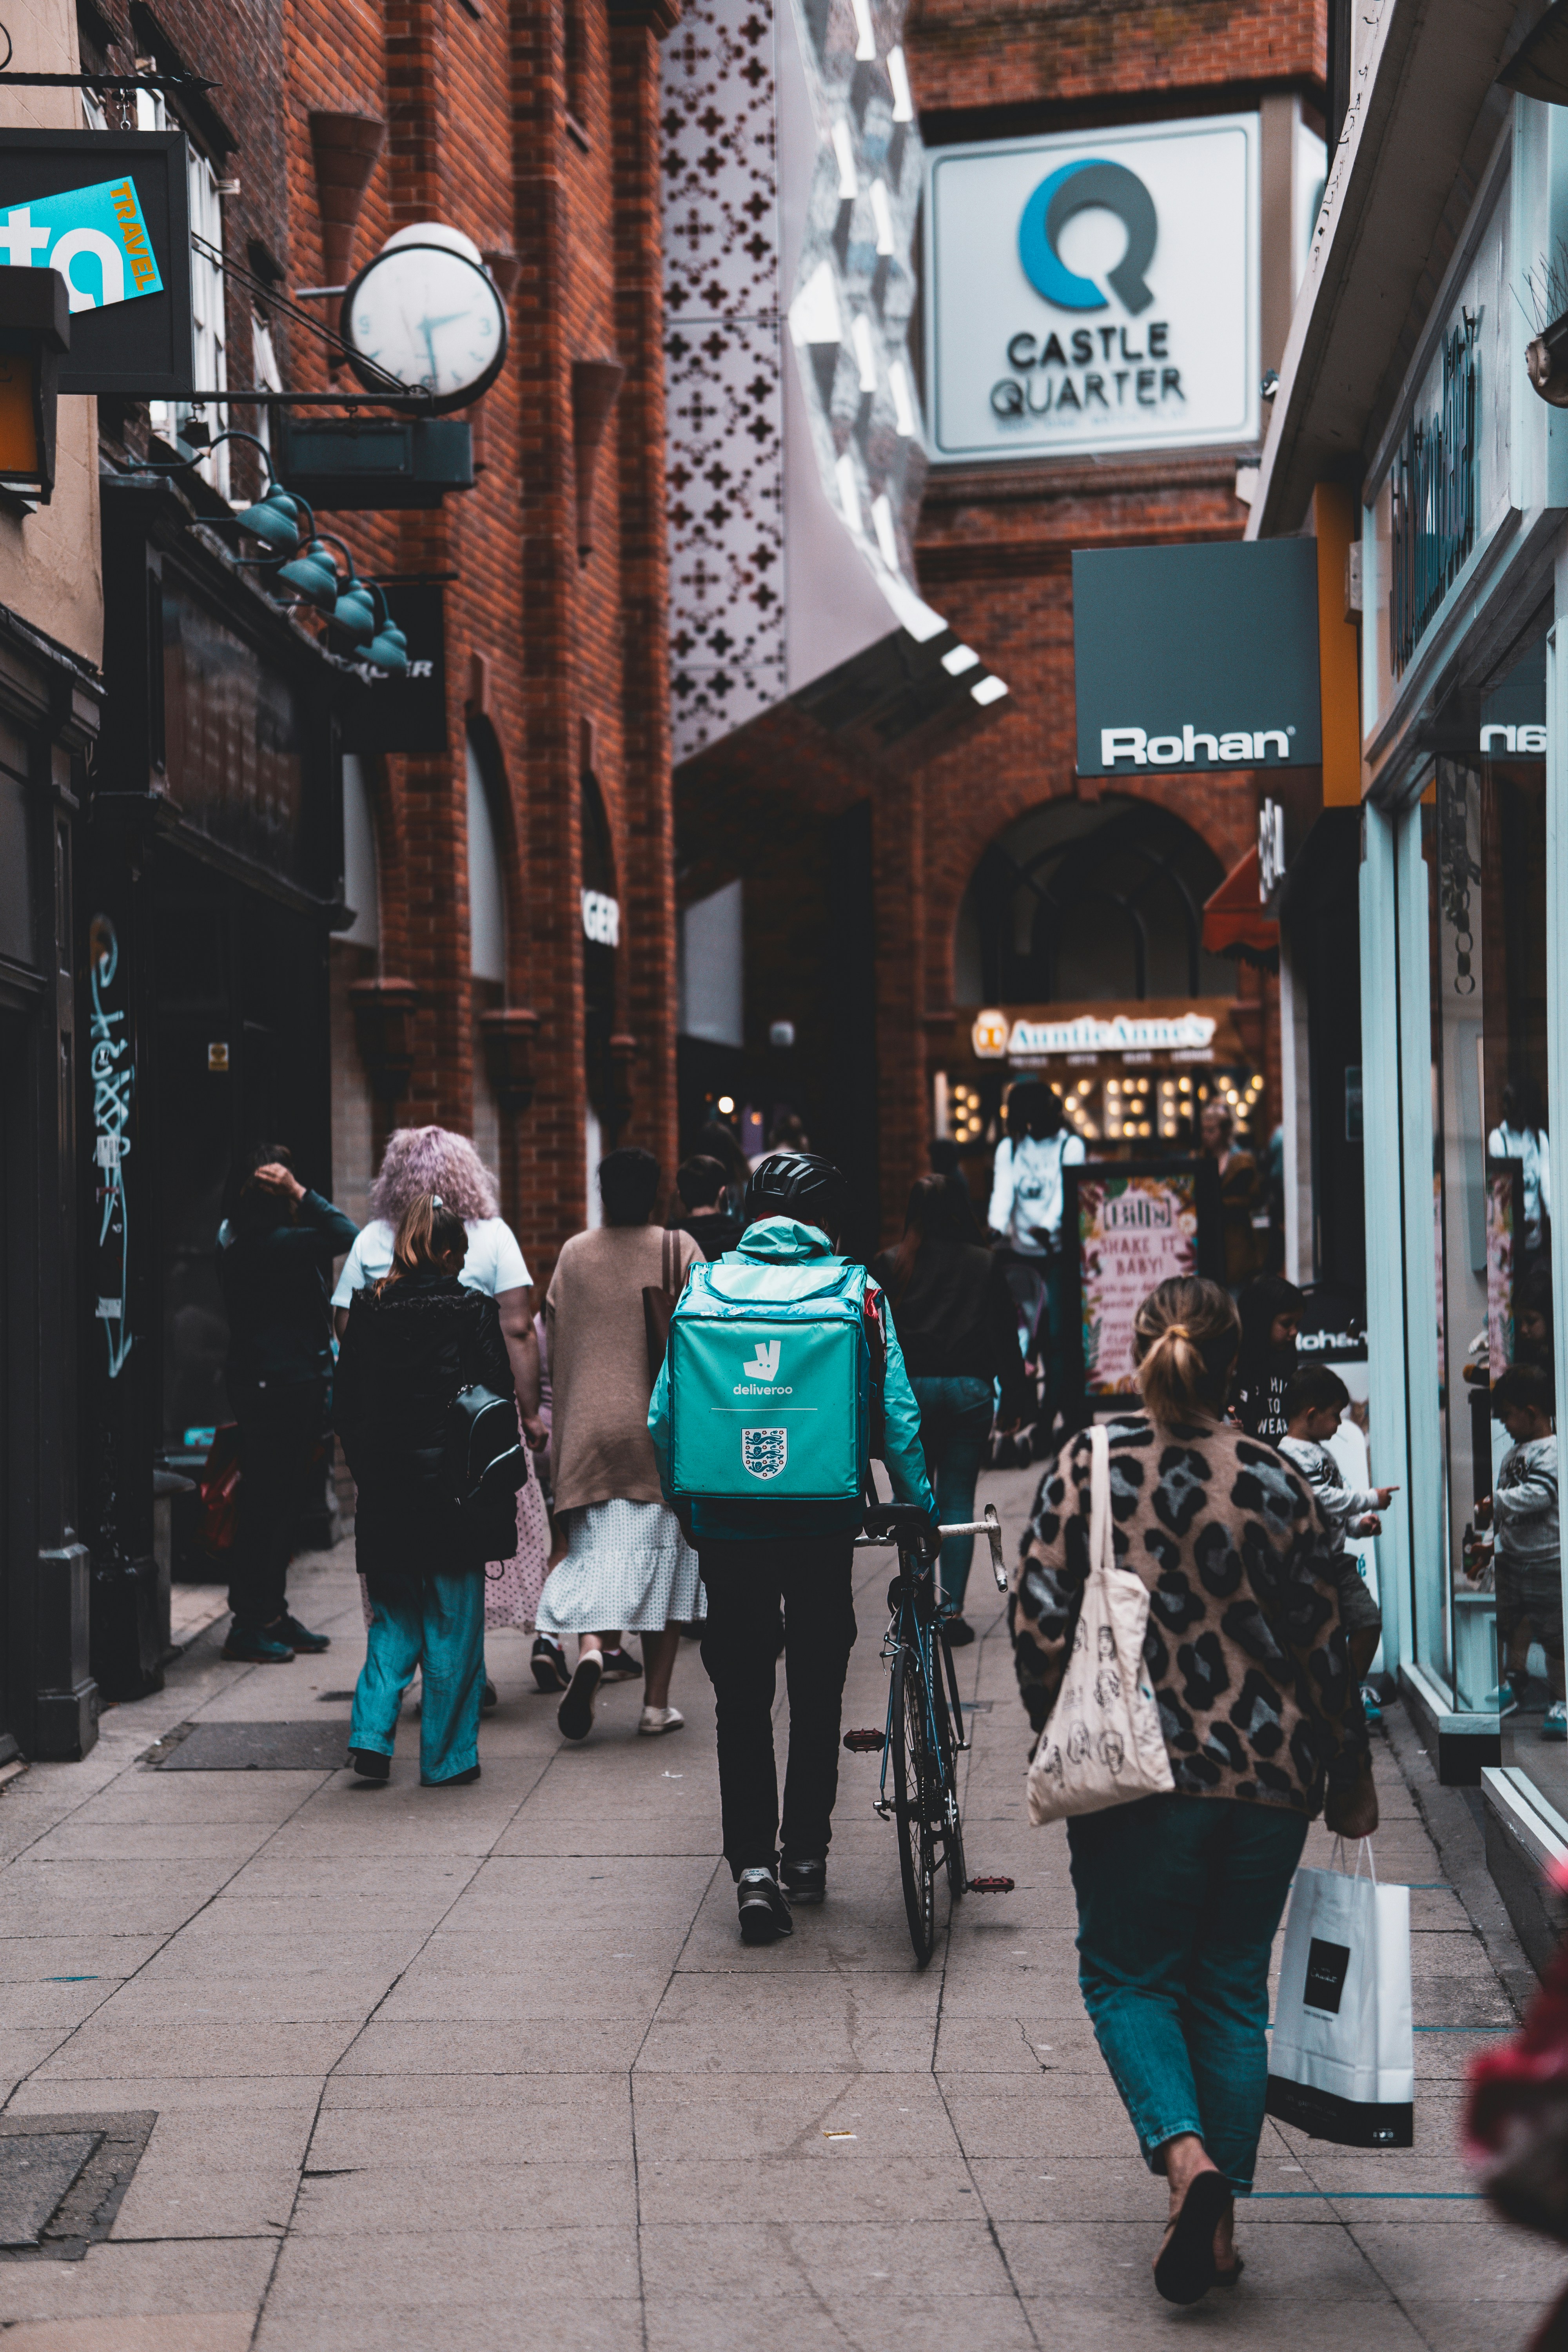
column 1178, row 1901
column 955, row 1421
column 438, row 1624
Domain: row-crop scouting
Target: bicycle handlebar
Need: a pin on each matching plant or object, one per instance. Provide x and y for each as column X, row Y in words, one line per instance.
column 990, row 1527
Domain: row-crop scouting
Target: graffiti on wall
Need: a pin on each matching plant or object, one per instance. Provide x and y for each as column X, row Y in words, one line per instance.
column 113, row 1086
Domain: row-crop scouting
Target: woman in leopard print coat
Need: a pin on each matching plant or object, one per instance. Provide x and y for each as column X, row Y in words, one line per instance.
column 1179, row 1896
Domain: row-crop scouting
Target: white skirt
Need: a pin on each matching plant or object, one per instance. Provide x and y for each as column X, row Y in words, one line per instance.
column 628, row 1568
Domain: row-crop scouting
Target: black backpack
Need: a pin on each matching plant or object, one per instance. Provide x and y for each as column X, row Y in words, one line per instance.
column 487, row 1466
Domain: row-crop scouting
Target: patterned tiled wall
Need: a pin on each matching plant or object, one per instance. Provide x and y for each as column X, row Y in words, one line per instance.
column 723, row 398
column 730, row 328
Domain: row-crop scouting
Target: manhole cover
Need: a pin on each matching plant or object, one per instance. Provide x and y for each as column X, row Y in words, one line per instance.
column 257, row 1747
column 34, row 2174
column 61, row 2181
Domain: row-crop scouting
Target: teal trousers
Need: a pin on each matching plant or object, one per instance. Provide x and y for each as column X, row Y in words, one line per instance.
column 438, row 1625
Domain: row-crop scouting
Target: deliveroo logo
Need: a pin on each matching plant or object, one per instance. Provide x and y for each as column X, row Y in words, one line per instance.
column 96, row 237
column 765, row 1364
column 1077, row 188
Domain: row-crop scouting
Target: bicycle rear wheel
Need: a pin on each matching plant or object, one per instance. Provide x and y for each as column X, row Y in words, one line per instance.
column 915, row 1780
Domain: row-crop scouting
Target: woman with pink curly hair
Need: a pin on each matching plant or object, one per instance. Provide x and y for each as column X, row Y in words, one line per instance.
column 420, row 1159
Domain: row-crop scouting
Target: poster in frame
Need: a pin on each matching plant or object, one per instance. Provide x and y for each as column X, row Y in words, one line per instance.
column 1128, row 1225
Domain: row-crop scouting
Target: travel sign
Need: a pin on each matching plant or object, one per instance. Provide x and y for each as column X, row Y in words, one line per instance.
column 1095, row 291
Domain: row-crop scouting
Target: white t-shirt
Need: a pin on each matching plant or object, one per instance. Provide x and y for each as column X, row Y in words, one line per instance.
column 494, row 1262
column 1026, row 1189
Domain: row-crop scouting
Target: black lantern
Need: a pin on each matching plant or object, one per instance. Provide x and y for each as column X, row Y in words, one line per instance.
column 35, row 330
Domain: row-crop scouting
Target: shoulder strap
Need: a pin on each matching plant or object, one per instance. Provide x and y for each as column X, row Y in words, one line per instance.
column 671, row 1266
column 1100, row 1548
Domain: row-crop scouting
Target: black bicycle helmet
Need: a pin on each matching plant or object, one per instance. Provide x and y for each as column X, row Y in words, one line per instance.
column 797, row 1184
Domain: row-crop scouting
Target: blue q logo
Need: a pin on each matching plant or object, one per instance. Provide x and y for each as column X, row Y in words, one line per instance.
column 1078, row 188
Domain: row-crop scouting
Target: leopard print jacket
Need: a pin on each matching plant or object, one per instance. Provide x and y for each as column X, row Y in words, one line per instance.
column 1245, row 1647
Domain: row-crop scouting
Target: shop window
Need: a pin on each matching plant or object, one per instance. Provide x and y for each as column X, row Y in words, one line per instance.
column 487, row 894
column 362, row 879
column 711, row 967
column 1090, row 902
column 1484, row 843
column 208, row 335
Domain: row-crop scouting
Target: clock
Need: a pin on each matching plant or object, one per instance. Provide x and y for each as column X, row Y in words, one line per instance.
column 426, row 310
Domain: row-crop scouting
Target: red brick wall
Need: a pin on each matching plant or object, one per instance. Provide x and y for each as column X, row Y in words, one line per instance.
column 548, row 654
column 995, row 542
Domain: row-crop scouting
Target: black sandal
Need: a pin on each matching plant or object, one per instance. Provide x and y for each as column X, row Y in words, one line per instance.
column 1185, row 2270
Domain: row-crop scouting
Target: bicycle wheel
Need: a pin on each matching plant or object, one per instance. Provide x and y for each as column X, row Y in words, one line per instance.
column 947, row 1722
column 914, row 1782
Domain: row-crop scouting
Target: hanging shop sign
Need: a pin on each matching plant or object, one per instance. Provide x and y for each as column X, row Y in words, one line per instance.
column 1513, row 716
column 1160, row 1033
column 1098, row 290
column 1128, row 1228
column 1197, row 657
column 407, row 713
column 109, row 210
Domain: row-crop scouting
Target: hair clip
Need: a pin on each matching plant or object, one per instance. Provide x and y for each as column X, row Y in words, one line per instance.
column 436, row 1201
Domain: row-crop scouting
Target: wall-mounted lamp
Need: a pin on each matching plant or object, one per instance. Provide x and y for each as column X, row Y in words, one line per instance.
column 35, row 330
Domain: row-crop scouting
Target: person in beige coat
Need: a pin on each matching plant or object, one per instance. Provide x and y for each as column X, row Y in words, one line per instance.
column 626, row 1564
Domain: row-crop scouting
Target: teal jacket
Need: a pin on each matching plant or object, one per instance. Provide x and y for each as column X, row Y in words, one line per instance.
column 782, row 1240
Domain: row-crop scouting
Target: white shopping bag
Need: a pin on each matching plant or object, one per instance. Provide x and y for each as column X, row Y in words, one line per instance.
column 1341, row 2058
column 1103, row 1744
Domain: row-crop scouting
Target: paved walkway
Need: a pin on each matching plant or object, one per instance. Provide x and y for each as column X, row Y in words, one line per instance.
column 488, row 2067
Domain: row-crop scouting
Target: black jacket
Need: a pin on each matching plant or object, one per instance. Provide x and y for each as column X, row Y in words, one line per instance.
column 955, row 1319
column 713, row 1235
column 276, row 1288
column 407, row 1350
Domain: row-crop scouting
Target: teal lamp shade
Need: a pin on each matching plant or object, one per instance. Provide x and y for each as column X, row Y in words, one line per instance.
column 389, row 649
column 314, row 575
column 275, row 520
column 354, row 615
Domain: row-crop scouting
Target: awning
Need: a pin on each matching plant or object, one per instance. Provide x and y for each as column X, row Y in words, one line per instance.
column 1234, row 923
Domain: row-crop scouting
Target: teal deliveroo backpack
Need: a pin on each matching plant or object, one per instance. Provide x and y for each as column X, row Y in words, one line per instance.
column 770, row 1383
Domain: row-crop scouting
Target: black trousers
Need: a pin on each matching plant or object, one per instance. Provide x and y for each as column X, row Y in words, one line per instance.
column 283, row 1457
column 745, row 1583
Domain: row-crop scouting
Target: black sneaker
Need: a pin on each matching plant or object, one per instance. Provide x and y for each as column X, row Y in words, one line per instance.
column 960, row 1632
column 549, row 1663
column 300, row 1637
column 489, row 1697
column 248, row 1645
column 620, row 1666
column 804, row 1882
column 369, row 1764
column 576, row 1713
column 765, row 1908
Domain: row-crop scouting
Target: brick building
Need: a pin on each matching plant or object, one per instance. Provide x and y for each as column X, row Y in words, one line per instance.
column 335, row 906
column 892, row 883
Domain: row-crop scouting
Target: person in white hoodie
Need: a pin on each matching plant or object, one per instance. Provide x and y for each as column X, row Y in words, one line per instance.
column 1026, row 1215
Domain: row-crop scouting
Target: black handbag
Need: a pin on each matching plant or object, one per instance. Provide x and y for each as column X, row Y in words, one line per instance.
column 487, row 1463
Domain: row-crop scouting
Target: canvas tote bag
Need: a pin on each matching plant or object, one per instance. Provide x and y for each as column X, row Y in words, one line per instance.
column 1103, row 1744
column 1341, row 2058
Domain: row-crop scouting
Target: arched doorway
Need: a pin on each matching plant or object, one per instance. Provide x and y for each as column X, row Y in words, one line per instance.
column 1088, row 917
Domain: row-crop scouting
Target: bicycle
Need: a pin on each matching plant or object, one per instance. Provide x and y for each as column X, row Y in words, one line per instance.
column 925, row 1735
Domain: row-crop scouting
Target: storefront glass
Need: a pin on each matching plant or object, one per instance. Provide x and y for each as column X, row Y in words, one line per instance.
column 1484, row 844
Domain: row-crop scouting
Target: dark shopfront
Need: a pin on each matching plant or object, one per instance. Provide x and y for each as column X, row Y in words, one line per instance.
column 211, row 879
column 48, row 717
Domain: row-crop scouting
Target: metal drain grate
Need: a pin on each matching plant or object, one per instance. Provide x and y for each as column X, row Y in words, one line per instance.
column 62, row 2178
column 255, row 1748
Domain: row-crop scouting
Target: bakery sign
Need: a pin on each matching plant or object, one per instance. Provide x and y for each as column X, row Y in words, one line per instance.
column 996, row 1039
column 1094, row 290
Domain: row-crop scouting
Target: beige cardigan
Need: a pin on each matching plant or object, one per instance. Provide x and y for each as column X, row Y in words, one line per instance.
column 599, row 1447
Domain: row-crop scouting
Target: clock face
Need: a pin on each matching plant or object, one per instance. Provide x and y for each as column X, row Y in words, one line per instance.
column 430, row 318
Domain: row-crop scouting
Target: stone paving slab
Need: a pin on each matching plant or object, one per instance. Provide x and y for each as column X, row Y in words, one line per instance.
column 489, row 2067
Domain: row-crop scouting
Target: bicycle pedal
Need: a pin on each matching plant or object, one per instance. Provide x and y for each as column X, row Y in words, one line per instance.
column 864, row 1743
column 991, row 1885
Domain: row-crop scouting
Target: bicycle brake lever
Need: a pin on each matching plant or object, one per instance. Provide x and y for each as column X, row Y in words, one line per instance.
column 994, row 1537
